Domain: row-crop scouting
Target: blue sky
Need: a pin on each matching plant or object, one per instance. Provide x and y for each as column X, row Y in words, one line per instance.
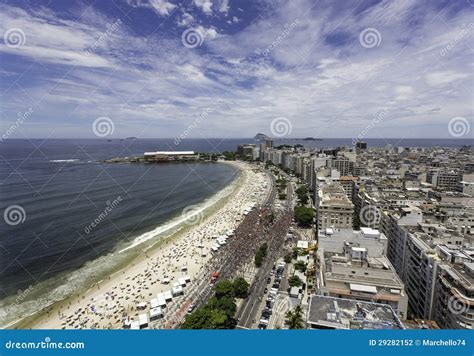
column 328, row 68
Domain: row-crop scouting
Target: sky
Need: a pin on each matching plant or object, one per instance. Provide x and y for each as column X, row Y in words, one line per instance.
column 234, row 68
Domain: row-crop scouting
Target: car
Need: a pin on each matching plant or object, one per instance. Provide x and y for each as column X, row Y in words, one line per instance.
column 269, row 280
column 191, row 308
column 268, row 310
column 266, row 315
column 276, row 285
column 265, row 291
column 262, row 326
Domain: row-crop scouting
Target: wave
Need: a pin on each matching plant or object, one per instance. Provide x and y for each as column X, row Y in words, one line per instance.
column 179, row 222
column 64, row 160
column 42, row 295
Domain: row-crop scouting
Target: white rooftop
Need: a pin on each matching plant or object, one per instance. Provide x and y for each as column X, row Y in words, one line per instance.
column 169, row 153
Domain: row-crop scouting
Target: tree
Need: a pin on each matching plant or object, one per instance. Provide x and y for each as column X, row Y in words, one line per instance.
column 226, row 304
column 294, row 318
column 288, row 258
column 224, row 288
column 241, row 288
column 304, row 216
column 295, row 281
column 300, row 266
column 303, row 199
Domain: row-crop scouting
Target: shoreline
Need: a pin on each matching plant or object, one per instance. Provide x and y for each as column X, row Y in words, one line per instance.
column 52, row 316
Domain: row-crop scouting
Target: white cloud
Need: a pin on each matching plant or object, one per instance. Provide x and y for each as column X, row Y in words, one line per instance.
column 156, row 87
column 204, row 5
column 163, row 7
column 442, row 78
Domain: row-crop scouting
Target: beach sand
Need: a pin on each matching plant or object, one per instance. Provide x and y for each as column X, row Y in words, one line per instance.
column 122, row 296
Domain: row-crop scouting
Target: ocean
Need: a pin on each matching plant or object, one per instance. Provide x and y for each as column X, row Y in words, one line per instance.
column 68, row 220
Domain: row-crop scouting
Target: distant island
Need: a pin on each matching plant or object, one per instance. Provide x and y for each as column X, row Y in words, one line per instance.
column 263, row 137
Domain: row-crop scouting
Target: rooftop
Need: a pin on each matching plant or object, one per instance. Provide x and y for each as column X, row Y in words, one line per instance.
column 340, row 313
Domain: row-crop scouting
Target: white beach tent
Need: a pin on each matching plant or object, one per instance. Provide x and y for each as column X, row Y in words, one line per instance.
column 168, row 296
column 177, row 290
column 161, row 299
column 154, row 303
column 156, row 313
column 134, row 325
column 143, row 320
column 182, row 282
column 187, row 279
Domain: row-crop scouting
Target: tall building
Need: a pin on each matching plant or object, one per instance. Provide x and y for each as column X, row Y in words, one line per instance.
column 334, row 209
column 353, row 265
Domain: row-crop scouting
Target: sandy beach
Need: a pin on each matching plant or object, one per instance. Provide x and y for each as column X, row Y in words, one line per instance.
column 162, row 280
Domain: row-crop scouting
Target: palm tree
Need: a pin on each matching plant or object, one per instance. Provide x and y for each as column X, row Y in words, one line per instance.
column 294, row 318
